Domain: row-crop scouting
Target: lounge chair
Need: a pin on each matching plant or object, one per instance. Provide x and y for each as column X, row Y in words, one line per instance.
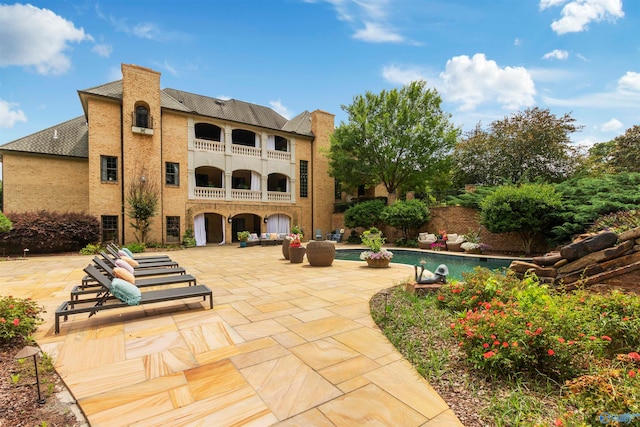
column 111, row 259
column 318, row 234
column 426, row 239
column 106, row 301
column 454, row 243
column 144, row 272
column 336, row 235
column 139, row 258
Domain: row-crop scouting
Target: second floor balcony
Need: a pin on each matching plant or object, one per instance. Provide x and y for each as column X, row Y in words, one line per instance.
column 242, row 185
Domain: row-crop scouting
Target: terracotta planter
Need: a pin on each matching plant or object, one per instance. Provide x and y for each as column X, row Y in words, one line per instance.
column 296, row 254
column 321, row 254
column 285, row 248
column 378, row 262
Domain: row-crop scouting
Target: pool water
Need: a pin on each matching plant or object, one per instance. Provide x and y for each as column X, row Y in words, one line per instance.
column 456, row 264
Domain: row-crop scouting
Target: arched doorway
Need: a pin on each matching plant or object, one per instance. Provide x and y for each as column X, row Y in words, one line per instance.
column 209, row 227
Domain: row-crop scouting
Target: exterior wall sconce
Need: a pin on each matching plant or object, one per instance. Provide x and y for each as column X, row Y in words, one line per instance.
column 229, row 219
column 265, row 219
column 143, row 178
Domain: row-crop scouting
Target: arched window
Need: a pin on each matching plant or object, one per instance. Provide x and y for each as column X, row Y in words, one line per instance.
column 142, row 117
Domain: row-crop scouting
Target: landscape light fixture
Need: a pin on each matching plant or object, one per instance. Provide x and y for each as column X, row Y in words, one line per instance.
column 29, row 351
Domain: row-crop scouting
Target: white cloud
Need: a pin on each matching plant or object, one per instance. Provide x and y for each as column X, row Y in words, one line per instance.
column 43, row 49
column 549, row 3
column 9, row 115
column 578, row 14
column 630, row 81
column 517, row 42
column 103, row 50
column 476, row 80
column 280, row 109
column 556, row 54
column 395, row 74
column 376, row 33
column 612, row 125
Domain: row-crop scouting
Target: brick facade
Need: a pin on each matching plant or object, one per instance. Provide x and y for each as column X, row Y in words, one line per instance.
column 142, row 154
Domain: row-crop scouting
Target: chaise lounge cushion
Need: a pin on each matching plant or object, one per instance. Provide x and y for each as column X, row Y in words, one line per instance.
column 123, row 274
column 128, row 252
column 123, row 264
column 125, row 291
column 132, row 262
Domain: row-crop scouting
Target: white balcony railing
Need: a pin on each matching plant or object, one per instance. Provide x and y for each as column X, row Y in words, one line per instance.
column 243, row 150
column 279, row 155
column 209, row 193
column 246, row 194
column 206, row 145
column 278, row 196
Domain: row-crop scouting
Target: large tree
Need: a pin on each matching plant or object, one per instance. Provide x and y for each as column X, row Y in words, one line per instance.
column 527, row 146
column 397, row 138
column 626, row 151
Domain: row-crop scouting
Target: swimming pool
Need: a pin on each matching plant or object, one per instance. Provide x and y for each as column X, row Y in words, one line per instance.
column 455, row 263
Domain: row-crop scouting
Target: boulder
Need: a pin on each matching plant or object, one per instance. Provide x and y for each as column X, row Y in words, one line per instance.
column 591, row 244
column 548, row 259
column 578, row 275
column 596, row 257
column 560, row 263
column 629, row 234
column 522, row 266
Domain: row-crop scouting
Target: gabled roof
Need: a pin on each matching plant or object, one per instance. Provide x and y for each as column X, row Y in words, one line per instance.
column 71, row 137
column 65, row 139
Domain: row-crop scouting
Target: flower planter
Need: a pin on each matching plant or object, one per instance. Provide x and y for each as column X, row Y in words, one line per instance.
column 476, row 251
column 378, row 262
column 285, row 248
column 243, row 244
column 321, row 254
column 296, row 254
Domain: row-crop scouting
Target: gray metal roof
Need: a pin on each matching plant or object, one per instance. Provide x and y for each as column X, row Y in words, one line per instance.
column 65, row 139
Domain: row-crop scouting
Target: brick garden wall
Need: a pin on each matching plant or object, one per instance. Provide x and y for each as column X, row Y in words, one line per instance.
column 460, row 220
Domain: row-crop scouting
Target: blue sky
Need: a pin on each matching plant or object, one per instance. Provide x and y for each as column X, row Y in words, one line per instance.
column 487, row 58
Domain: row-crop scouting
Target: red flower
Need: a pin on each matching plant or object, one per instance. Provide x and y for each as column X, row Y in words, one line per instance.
column 16, row 321
column 592, row 338
column 604, row 337
column 489, row 354
column 551, row 352
column 632, row 374
column 560, row 339
column 11, row 306
column 514, row 344
column 485, row 345
column 505, row 344
column 440, row 297
column 558, row 422
column 538, row 331
column 496, row 342
column 493, row 337
column 634, row 356
column 2, row 320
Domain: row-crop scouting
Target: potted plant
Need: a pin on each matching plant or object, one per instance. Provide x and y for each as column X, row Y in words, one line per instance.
column 472, row 244
column 296, row 250
column 243, row 236
column 376, row 256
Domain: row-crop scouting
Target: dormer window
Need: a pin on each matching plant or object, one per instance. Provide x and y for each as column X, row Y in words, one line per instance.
column 142, row 122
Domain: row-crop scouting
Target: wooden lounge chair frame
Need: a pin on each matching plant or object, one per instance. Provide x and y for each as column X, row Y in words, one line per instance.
column 106, row 301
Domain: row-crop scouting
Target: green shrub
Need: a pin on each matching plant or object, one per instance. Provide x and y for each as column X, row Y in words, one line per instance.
column 5, row 223
column 366, row 214
column 188, row 240
column 408, row 216
column 136, row 248
column 18, row 317
column 617, row 221
column 91, row 249
column 406, row 243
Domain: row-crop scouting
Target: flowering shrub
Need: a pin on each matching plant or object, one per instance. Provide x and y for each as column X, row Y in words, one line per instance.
column 506, row 325
column 18, row 317
column 609, row 393
column 294, row 240
column 436, row 246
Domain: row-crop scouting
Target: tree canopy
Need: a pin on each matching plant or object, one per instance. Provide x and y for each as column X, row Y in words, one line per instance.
column 626, row 151
column 527, row 146
column 396, row 137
